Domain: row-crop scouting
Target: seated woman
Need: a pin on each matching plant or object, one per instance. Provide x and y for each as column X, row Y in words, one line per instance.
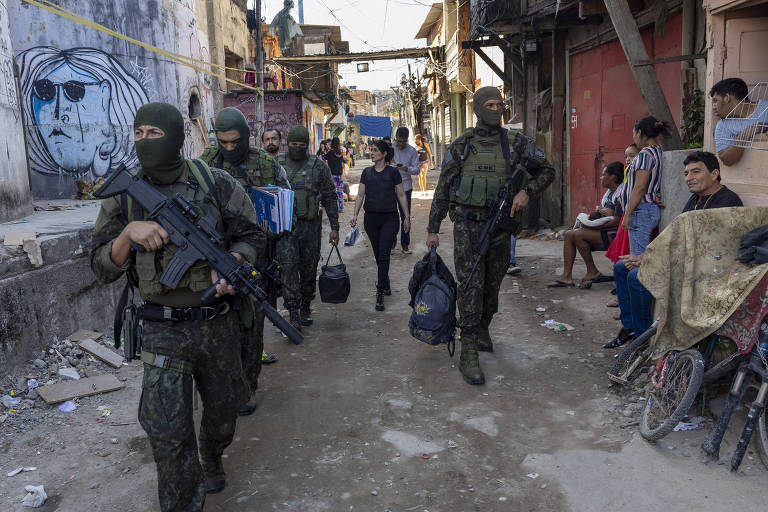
column 587, row 230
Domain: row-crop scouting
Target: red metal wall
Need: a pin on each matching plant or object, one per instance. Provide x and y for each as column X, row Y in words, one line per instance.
column 606, row 102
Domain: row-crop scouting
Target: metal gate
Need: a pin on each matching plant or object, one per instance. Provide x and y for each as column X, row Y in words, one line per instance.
column 606, row 102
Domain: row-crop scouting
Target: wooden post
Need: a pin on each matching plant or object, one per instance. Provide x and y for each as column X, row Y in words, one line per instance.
column 557, row 153
column 645, row 75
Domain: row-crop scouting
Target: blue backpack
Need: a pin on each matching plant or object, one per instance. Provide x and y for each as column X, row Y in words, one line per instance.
column 433, row 299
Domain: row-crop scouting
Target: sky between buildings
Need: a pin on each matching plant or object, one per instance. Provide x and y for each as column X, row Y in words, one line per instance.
column 368, row 25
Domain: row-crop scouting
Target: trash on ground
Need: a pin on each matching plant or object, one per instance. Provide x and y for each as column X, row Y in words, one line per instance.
column 68, row 406
column 10, row 401
column 424, row 455
column 112, row 359
column 453, row 444
column 21, row 470
column 32, row 384
column 533, row 475
column 571, row 413
column 35, row 496
column 104, row 415
column 69, row 373
column 541, row 309
column 683, row 426
column 557, row 326
column 64, row 391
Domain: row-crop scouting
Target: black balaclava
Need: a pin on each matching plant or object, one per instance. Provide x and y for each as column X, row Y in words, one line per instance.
column 298, row 133
column 161, row 158
column 486, row 118
column 230, row 118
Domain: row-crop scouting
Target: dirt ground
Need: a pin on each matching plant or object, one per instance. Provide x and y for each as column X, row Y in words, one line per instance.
column 363, row 417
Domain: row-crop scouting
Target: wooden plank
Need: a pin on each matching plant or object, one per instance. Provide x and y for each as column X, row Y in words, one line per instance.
column 102, row 353
column 70, row 389
column 494, row 67
column 84, row 334
column 645, row 76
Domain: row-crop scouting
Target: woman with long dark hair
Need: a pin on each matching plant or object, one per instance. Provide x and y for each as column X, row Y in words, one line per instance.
column 381, row 188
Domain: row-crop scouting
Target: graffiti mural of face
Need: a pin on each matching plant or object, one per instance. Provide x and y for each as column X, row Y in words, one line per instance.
column 71, row 110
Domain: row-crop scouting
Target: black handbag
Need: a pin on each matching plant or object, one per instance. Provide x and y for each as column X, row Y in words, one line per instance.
column 334, row 281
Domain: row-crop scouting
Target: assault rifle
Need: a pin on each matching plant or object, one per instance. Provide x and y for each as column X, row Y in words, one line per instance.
column 197, row 239
column 500, row 220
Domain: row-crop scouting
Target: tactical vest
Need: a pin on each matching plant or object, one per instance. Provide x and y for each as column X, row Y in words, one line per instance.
column 305, row 194
column 200, row 190
column 483, row 171
column 257, row 171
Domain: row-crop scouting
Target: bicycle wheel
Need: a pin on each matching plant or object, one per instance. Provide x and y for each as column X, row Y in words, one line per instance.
column 630, row 361
column 761, row 437
column 665, row 407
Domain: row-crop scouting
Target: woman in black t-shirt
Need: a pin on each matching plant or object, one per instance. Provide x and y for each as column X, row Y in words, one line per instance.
column 381, row 187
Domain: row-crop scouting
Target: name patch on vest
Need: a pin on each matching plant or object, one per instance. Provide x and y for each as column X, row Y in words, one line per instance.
column 485, row 167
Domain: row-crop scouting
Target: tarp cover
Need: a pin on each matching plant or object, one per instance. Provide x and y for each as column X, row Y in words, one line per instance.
column 374, row 126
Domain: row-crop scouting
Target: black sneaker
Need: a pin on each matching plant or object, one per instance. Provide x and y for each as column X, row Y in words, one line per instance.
column 624, row 337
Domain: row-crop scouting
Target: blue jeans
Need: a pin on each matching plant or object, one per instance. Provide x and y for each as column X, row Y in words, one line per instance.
column 644, row 219
column 634, row 299
column 513, row 243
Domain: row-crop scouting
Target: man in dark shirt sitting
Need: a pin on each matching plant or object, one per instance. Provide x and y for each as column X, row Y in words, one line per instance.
column 702, row 175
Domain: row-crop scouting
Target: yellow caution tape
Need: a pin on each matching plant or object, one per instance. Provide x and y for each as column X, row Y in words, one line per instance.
column 181, row 59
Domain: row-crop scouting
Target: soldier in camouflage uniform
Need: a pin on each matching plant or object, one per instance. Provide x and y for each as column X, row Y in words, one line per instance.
column 181, row 340
column 252, row 167
column 299, row 252
column 473, row 173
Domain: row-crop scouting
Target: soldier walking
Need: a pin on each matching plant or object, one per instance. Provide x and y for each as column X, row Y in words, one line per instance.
column 181, row 340
column 299, row 251
column 474, row 171
column 251, row 167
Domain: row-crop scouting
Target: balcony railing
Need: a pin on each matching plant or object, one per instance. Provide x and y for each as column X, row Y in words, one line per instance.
column 484, row 13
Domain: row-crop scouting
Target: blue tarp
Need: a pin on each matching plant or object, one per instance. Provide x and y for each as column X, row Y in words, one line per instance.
column 374, row 126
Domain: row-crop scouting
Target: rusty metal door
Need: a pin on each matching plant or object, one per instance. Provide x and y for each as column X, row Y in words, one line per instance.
column 606, row 102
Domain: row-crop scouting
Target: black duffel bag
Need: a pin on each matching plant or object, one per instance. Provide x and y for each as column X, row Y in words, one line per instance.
column 334, row 281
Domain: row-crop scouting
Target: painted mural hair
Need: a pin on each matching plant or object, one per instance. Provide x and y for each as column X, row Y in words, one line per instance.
column 126, row 96
column 651, row 127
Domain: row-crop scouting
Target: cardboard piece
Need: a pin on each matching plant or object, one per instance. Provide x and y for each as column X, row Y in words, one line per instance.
column 84, row 334
column 68, row 390
column 13, row 238
column 102, row 353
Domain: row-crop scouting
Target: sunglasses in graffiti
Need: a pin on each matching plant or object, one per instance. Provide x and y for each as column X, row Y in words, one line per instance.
column 74, row 90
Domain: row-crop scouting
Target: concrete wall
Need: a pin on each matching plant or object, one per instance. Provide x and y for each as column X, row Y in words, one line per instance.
column 15, row 198
column 674, row 191
column 78, row 133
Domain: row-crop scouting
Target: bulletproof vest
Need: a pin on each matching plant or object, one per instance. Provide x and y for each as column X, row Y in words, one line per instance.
column 258, row 170
column 483, row 169
column 306, row 197
column 199, row 190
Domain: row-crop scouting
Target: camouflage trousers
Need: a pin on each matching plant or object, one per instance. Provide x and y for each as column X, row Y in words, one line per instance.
column 212, row 349
column 299, row 253
column 253, row 346
column 479, row 301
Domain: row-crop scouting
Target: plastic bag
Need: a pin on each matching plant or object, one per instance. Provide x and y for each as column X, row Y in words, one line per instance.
column 354, row 236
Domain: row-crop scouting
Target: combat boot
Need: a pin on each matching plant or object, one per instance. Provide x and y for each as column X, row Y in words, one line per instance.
column 249, row 406
column 305, row 313
column 469, row 361
column 379, row 299
column 215, row 479
column 484, row 341
column 294, row 318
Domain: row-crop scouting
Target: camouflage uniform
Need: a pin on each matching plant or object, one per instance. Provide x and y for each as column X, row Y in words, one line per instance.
column 467, row 206
column 258, row 170
column 206, row 351
column 299, row 252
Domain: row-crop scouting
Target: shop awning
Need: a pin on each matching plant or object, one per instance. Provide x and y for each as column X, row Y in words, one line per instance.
column 374, row 126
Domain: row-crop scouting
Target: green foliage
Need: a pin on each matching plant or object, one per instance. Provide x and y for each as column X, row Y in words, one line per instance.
column 692, row 129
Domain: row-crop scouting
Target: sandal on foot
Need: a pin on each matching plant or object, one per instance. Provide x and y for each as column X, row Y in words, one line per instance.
column 560, row 284
column 586, row 284
column 267, row 358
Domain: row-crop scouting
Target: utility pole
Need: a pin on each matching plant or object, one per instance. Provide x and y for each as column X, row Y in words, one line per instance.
column 259, row 76
column 301, row 12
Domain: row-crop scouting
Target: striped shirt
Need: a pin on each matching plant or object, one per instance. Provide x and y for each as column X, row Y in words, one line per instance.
column 650, row 159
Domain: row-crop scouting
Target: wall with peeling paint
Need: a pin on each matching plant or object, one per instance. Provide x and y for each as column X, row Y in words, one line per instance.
column 81, row 88
column 15, row 199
